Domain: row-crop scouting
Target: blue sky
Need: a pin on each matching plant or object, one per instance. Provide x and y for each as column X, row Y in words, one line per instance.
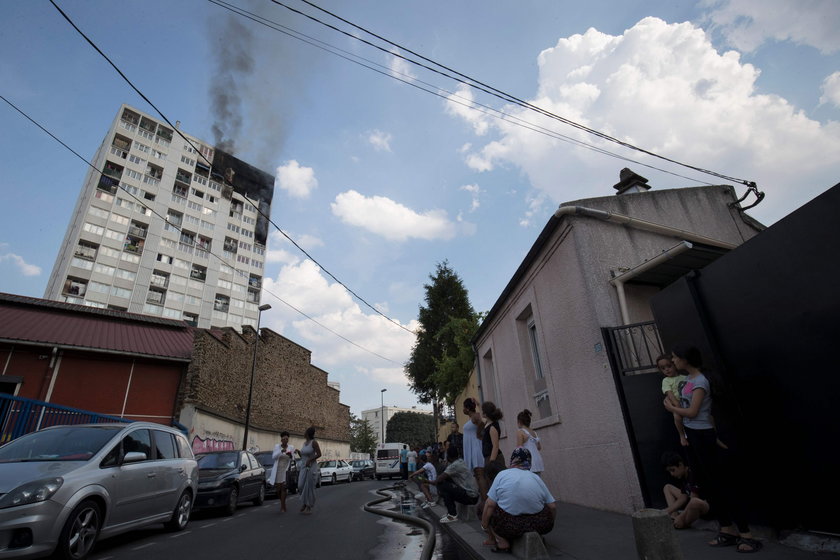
column 379, row 180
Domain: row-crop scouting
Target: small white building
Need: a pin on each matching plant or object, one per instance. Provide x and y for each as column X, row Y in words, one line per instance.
column 542, row 346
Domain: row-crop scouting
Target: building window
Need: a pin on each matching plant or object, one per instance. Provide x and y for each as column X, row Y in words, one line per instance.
column 532, row 362
column 535, row 349
column 75, row 287
column 222, row 303
column 191, row 319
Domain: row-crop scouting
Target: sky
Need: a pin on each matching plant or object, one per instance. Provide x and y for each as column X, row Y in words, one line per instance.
column 384, row 168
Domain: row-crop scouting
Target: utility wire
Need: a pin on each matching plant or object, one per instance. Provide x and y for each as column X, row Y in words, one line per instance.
column 179, row 229
column 477, row 84
column 451, row 97
column 159, row 112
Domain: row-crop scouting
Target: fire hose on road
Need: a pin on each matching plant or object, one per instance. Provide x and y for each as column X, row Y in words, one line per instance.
column 429, row 546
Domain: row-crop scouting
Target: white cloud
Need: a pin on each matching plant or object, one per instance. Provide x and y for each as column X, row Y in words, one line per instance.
column 25, row 268
column 662, row 87
column 304, row 286
column 474, row 190
column 390, row 219
column 381, row 141
column 400, row 68
column 281, row 250
column 460, row 104
column 298, row 181
column 831, row 90
column 746, row 24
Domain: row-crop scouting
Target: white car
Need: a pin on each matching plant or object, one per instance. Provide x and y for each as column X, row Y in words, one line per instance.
column 335, row 470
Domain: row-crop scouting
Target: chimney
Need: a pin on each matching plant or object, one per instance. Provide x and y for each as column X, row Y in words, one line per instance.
column 630, row 182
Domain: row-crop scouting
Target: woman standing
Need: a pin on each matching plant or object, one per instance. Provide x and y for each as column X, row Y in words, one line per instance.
column 310, row 452
column 528, row 438
column 710, row 458
column 473, row 456
column 494, row 461
column 282, row 456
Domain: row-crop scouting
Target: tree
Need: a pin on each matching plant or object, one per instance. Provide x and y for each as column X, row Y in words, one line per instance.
column 413, row 428
column 452, row 370
column 362, row 436
column 446, row 299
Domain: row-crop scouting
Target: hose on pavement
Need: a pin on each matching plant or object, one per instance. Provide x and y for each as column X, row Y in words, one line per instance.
column 429, row 546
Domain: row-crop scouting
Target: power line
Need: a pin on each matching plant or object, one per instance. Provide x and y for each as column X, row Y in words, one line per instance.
column 434, row 90
column 180, row 231
column 135, row 88
column 477, row 84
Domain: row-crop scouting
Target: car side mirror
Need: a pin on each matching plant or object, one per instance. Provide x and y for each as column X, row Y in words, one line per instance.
column 242, row 468
column 134, row 457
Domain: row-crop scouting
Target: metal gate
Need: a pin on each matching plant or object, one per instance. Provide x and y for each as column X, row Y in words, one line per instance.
column 632, row 350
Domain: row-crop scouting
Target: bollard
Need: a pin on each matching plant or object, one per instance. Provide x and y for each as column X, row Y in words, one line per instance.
column 655, row 536
column 530, row 546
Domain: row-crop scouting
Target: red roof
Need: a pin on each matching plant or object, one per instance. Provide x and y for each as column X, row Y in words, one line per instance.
column 25, row 320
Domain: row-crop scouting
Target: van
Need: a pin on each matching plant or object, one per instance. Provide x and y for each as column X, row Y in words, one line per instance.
column 388, row 460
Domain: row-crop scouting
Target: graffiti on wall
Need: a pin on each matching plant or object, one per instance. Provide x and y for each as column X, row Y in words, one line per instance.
column 216, row 442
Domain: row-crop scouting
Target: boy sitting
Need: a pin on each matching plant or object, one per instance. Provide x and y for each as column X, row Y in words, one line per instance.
column 685, row 505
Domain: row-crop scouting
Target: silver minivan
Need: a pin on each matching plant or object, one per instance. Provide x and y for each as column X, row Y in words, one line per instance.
column 62, row 488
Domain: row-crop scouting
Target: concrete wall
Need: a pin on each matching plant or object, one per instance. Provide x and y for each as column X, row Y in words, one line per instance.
column 566, row 295
column 289, row 392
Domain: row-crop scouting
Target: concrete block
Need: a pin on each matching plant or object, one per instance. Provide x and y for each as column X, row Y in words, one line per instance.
column 530, row 546
column 656, row 538
column 465, row 512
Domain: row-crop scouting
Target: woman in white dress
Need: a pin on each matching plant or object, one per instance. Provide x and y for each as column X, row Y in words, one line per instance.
column 528, row 438
column 473, row 454
column 282, row 456
column 309, row 470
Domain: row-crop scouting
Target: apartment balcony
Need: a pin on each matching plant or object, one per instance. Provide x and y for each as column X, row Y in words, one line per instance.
column 197, row 274
column 113, row 171
column 159, row 281
column 222, row 306
column 155, row 297
column 107, row 184
column 230, row 247
column 183, row 177
column 85, row 252
column 133, row 245
column 255, row 282
column 137, row 232
column 119, row 152
column 253, row 297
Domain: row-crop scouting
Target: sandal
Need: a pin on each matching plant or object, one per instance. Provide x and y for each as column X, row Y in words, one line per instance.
column 754, row 544
column 724, row 539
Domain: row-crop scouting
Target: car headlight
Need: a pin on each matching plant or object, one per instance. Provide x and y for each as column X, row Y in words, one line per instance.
column 31, row 492
column 210, row 484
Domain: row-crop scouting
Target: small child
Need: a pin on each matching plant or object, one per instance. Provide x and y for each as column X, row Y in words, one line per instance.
column 671, row 385
column 685, row 505
column 422, row 476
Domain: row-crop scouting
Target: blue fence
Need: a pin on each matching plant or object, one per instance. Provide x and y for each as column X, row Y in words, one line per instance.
column 19, row 416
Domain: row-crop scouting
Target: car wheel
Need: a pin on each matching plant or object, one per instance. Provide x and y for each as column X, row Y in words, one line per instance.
column 181, row 515
column 258, row 501
column 378, row 477
column 334, row 479
column 80, row 532
column 230, row 509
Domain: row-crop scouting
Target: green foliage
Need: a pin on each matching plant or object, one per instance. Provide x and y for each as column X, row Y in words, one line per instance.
column 413, row 428
column 362, row 436
column 446, row 299
column 452, row 370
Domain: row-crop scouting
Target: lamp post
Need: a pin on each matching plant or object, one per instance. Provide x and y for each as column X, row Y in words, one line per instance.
column 261, row 308
column 382, row 414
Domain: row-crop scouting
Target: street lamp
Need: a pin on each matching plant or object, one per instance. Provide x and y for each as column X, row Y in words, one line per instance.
column 261, row 308
column 382, row 414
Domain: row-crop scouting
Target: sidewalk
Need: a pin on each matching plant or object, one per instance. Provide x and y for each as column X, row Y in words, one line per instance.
column 582, row 533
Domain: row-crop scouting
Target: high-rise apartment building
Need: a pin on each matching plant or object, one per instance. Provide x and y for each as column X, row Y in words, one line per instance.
column 166, row 228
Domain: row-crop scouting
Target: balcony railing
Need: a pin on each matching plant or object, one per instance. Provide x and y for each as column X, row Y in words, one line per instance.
column 131, row 247
column 85, row 252
column 198, row 275
column 137, row 232
column 159, row 281
column 155, row 297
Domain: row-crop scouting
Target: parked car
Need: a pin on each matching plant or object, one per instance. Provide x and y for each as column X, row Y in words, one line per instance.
column 334, row 470
column 363, row 468
column 63, row 488
column 227, row 478
column 264, row 457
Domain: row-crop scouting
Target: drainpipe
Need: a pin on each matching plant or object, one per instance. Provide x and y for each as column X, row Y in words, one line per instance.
column 644, row 225
column 620, row 280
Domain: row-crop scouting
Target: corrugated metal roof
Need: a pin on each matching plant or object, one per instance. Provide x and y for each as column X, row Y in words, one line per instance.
column 37, row 321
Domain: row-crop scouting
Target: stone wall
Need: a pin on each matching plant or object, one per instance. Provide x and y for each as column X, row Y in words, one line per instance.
column 289, row 393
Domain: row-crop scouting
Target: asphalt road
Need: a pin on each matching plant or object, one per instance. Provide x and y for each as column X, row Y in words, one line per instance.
column 339, row 528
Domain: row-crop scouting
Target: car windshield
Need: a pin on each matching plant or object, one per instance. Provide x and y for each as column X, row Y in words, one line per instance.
column 70, row 443
column 226, row 460
column 327, row 464
column 357, row 463
column 265, row 459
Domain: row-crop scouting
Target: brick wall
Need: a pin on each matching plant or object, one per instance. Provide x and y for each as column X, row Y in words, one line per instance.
column 289, row 392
